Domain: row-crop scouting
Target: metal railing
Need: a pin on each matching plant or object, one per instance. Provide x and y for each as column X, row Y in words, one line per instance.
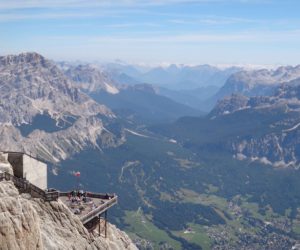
column 64, row 193
column 109, row 201
column 99, row 210
column 26, row 187
column 102, row 196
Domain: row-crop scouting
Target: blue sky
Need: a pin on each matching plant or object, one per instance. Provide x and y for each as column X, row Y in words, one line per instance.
column 174, row 31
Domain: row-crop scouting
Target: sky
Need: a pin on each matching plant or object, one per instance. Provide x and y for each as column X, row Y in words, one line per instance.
column 158, row 31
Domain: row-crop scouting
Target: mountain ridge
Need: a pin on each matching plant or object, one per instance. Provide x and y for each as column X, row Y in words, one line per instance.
column 257, row 128
column 31, row 86
column 258, row 82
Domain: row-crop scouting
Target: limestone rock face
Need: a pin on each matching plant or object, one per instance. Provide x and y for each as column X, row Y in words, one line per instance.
column 91, row 78
column 44, row 113
column 258, row 82
column 275, row 139
column 4, row 164
column 19, row 226
column 27, row 223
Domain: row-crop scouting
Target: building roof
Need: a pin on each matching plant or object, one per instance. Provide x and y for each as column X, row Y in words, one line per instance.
column 23, row 153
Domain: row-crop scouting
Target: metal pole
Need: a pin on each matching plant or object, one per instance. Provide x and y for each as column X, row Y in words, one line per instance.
column 99, row 224
column 105, row 214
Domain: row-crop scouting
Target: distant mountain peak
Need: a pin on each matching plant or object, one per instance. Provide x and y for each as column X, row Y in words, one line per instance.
column 230, row 104
column 91, row 78
column 26, row 57
column 257, row 82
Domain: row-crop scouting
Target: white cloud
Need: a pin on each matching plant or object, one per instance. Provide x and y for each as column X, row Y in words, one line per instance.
column 214, row 20
column 245, row 36
column 14, row 17
column 23, row 4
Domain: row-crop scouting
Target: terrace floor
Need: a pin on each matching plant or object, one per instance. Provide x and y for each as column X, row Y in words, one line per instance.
column 80, row 207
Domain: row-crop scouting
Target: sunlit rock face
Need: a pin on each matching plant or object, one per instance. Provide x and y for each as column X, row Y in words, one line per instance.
column 27, row 223
column 4, row 164
column 91, row 78
column 43, row 112
column 258, row 82
column 271, row 133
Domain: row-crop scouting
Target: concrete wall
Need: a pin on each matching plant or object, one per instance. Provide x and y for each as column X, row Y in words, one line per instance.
column 25, row 166
column 35, row 171
column 16, row 160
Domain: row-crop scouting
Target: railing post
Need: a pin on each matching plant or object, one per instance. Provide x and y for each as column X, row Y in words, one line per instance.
column 105, row 215
column 99, row 224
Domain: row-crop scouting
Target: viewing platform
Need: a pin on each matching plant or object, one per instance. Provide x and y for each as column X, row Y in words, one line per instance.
column 90, row 207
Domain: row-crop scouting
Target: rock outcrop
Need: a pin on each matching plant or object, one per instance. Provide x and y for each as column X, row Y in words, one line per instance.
column 257, row 82
column 91, row 78
column 273, row 134
column 4, row 164
column 28, row 223
column 43, row 112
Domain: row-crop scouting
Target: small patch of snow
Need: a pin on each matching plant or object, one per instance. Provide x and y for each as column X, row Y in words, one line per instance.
column 111, row 89
column 135, row 133
column 240, row 156
column 291, row 129
column 54, row 171
column 265, row 160
column 282, row 164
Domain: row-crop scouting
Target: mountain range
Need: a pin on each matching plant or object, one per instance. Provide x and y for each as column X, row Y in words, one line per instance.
column 258, row 127
column 140, row 102
column 200, row 87
column 230, row 177
column 257, row 82
column 177, row 77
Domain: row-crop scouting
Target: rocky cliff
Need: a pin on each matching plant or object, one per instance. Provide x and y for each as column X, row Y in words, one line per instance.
column 271, row 125
column 257, row 82
column 43, row 112
column 91, row 78
column 27, row 223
